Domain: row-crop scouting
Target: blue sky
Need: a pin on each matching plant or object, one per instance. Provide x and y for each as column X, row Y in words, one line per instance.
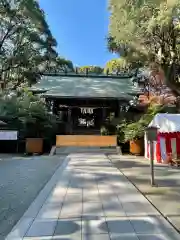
column 80, row 28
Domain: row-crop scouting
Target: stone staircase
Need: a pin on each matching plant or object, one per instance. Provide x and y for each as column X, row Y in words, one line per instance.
column 87, row 150
column 86, row 132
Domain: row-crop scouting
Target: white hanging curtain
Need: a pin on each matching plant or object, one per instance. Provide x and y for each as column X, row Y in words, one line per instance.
column 87, row 110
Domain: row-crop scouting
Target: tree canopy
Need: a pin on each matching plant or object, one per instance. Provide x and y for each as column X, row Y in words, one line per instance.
column 116, row 65
column 27, row 46
column 149, row 30
column 90, row 69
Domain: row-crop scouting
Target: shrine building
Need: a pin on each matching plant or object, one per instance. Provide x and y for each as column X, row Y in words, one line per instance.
column 85, row 102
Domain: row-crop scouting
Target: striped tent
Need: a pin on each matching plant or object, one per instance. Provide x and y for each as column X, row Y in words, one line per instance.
column 167, row 145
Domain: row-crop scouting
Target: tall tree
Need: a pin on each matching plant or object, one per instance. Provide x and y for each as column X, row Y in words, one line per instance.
column 151, row 29
column 26, row 43
column 117, row 65
column 57, row 65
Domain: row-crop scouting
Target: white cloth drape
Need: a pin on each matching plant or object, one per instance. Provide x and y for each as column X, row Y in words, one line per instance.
column 163, row 149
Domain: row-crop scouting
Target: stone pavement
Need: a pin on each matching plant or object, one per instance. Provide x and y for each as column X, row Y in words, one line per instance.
column 88, row 198
column 166, row 196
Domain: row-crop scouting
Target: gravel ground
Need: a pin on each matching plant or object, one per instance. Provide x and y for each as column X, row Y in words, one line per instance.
column 21, row 179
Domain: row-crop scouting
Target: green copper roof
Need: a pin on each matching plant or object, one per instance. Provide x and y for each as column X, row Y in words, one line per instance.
column 88, row 87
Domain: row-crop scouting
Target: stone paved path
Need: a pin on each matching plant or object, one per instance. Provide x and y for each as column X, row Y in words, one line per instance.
column 166, row 197
column 88, row 198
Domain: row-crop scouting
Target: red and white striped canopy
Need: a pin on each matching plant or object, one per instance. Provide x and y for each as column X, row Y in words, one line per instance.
column 167, row 123
column 168, row 140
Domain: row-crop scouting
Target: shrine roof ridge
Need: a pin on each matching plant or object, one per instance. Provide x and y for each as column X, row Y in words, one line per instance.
column 89, row 75
column 83, row 86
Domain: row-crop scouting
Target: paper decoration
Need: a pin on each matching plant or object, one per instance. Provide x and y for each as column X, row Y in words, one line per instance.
column 85, row 122
column 87, row 110
column 82, row 121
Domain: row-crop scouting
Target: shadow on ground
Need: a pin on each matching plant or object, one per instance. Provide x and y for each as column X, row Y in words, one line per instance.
column 166, row 196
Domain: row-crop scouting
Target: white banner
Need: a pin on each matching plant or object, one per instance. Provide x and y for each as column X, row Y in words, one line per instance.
column 163, row 149
column 174, row 148
column 8, row 135
column 155, row 150
column 146, row 145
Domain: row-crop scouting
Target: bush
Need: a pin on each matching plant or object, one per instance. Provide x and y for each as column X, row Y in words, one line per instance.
column 28, row 114
column 135, row 130
column 120, row 131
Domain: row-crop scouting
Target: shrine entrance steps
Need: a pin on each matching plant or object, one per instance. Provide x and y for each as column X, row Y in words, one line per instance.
column 86, row 132
column 87, row 150
column 66, row 144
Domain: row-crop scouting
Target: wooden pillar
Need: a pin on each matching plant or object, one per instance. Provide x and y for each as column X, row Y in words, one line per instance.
column 103, row 114
column 69, row 115
column 55, row 107
column 117, row 110
column 61, row 114
column 69, row 121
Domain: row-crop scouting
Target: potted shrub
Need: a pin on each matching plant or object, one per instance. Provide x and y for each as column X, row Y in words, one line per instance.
column 134, row 134
column 38, row 129
column 34, row 135
column 38, row 123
